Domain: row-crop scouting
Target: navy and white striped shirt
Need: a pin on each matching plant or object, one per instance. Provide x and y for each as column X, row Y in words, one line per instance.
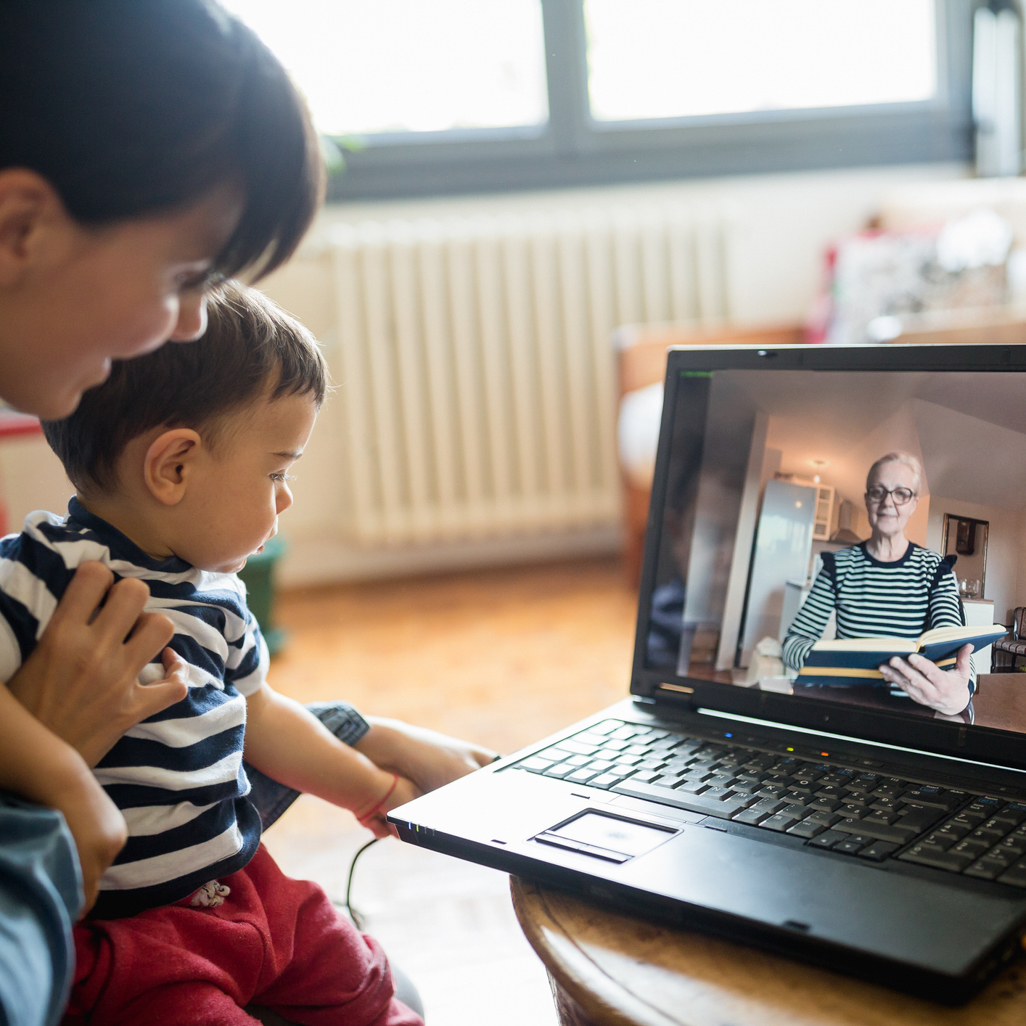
column 873, row 599
column 177, row 777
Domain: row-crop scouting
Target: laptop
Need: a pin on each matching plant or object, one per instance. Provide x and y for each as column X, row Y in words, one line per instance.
column 847, row 826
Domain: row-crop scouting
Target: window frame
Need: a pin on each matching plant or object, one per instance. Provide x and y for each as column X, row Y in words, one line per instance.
column 573, row 149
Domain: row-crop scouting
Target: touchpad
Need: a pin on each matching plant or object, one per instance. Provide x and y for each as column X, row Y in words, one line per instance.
column 613, row 838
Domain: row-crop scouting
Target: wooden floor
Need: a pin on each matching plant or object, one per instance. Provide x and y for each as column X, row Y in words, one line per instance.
column 503, row 657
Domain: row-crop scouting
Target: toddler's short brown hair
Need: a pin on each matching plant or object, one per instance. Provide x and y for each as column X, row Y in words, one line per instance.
column 251, row 349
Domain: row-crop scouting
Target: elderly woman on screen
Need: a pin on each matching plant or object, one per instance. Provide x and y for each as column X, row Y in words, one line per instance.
column 889, row 587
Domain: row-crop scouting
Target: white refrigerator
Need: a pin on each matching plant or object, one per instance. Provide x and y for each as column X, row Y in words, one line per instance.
column 781, row 553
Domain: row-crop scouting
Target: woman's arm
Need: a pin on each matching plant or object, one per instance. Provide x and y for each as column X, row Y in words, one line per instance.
column 947, row 691
column 808, row 626
column 37, row 765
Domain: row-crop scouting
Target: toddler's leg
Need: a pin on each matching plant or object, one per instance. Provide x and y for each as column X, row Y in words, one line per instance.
column 330, row 974
column 183, row 1004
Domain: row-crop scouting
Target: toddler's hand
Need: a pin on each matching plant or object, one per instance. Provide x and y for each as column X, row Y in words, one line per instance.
column 402, row 792
column 426, row 757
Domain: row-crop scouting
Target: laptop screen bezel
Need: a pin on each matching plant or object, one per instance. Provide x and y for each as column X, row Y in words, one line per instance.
column 983, row 744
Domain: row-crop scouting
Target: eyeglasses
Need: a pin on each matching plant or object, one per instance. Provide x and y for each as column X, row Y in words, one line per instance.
column 901, row 496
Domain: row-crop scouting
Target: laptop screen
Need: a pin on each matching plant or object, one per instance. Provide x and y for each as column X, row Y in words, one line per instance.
column 803, row 506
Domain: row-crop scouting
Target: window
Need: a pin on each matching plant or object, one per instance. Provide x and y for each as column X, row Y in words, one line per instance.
column 396, row 67
column 444, row 96
column 681, row 58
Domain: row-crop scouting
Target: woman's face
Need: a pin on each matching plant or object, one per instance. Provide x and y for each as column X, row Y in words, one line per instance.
column 886, row 517
column 86, row 296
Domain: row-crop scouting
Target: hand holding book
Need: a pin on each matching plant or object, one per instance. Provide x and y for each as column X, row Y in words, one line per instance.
column 933, row 669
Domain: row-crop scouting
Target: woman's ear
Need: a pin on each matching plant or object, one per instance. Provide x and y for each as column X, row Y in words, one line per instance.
column 31, row 213
column 168, row 464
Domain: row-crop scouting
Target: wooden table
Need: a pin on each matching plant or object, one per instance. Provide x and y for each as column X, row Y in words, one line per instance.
column 1001, row 701
column 609, row 969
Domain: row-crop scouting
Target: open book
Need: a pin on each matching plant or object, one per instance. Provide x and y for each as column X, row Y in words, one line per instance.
column 857, row 660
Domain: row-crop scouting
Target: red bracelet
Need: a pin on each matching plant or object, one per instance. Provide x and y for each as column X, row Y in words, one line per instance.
column 367, row 816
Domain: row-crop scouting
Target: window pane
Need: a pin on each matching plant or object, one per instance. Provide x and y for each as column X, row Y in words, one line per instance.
column 680, row 58
column 370, row 66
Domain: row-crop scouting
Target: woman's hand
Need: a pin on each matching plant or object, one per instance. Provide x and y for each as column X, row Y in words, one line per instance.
column 81, row 680
column 925, row 682
column 424, row 756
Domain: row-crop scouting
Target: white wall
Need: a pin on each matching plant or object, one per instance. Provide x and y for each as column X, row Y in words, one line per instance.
column 1006, row 541
column 781, row 227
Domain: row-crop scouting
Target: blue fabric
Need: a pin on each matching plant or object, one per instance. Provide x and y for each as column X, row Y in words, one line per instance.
column 40, row 898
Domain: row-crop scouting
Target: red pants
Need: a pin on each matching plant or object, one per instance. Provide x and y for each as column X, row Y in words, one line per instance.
column 275, row 942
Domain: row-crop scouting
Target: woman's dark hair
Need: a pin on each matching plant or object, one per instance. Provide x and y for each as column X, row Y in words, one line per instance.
column 134, row 107
column 252, row 349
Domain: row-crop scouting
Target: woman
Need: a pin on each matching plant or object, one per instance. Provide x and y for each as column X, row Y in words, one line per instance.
column 890, row 587
column 146, row 149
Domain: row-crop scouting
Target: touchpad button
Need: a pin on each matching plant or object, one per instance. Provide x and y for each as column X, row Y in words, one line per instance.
column 612, row 838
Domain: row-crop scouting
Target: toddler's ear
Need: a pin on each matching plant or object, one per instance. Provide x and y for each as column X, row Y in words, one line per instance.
column 168, row 463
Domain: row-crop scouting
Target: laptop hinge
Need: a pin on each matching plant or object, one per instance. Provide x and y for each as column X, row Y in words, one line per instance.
column 738, row 718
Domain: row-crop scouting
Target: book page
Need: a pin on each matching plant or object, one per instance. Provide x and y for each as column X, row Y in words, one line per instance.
column 867, row 645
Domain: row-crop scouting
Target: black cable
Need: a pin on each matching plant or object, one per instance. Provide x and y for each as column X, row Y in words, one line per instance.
column 348, row 906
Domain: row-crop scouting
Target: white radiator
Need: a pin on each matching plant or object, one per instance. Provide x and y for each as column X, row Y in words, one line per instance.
column 477, row 375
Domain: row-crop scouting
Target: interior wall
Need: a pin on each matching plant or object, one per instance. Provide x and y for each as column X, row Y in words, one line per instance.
column 1006, row 547
column 781, row 226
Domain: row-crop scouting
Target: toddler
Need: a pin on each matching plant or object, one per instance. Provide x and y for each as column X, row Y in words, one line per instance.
column 180, row 462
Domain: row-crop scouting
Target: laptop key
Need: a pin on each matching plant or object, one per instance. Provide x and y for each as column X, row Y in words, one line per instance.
column 937, row 797
column 581, row 776
column 915, row 821
column 693, row 787
column 987, row 868
column 878, row 850
column 824, row 804
column 577, row 747
column 852, row 846
column 534, row 765
column 936, row 858
column 780, row 821
column 878, row 831
column 828, row 839
column 689, row 802
column 753, row 816
column 807, row 828
column 606, row 780
column 559, row 772
column 1016, row 876
column 792, row 809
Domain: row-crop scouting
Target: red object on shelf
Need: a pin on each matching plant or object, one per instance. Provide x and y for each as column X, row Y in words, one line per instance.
column 13, row 423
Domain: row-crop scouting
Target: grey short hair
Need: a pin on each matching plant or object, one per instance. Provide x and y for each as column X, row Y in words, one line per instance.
column 898, row 456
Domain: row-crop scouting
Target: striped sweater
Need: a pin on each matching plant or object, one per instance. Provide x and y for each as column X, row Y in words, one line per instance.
column 873, row 599
column 178, row 776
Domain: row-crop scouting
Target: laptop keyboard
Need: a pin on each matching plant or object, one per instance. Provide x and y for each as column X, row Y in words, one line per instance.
column 829, row 806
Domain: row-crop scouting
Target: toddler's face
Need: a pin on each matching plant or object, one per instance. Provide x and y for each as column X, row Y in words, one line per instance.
column 241, row 486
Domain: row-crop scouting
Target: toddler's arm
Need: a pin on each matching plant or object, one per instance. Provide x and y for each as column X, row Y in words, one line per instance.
column 289, row 744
